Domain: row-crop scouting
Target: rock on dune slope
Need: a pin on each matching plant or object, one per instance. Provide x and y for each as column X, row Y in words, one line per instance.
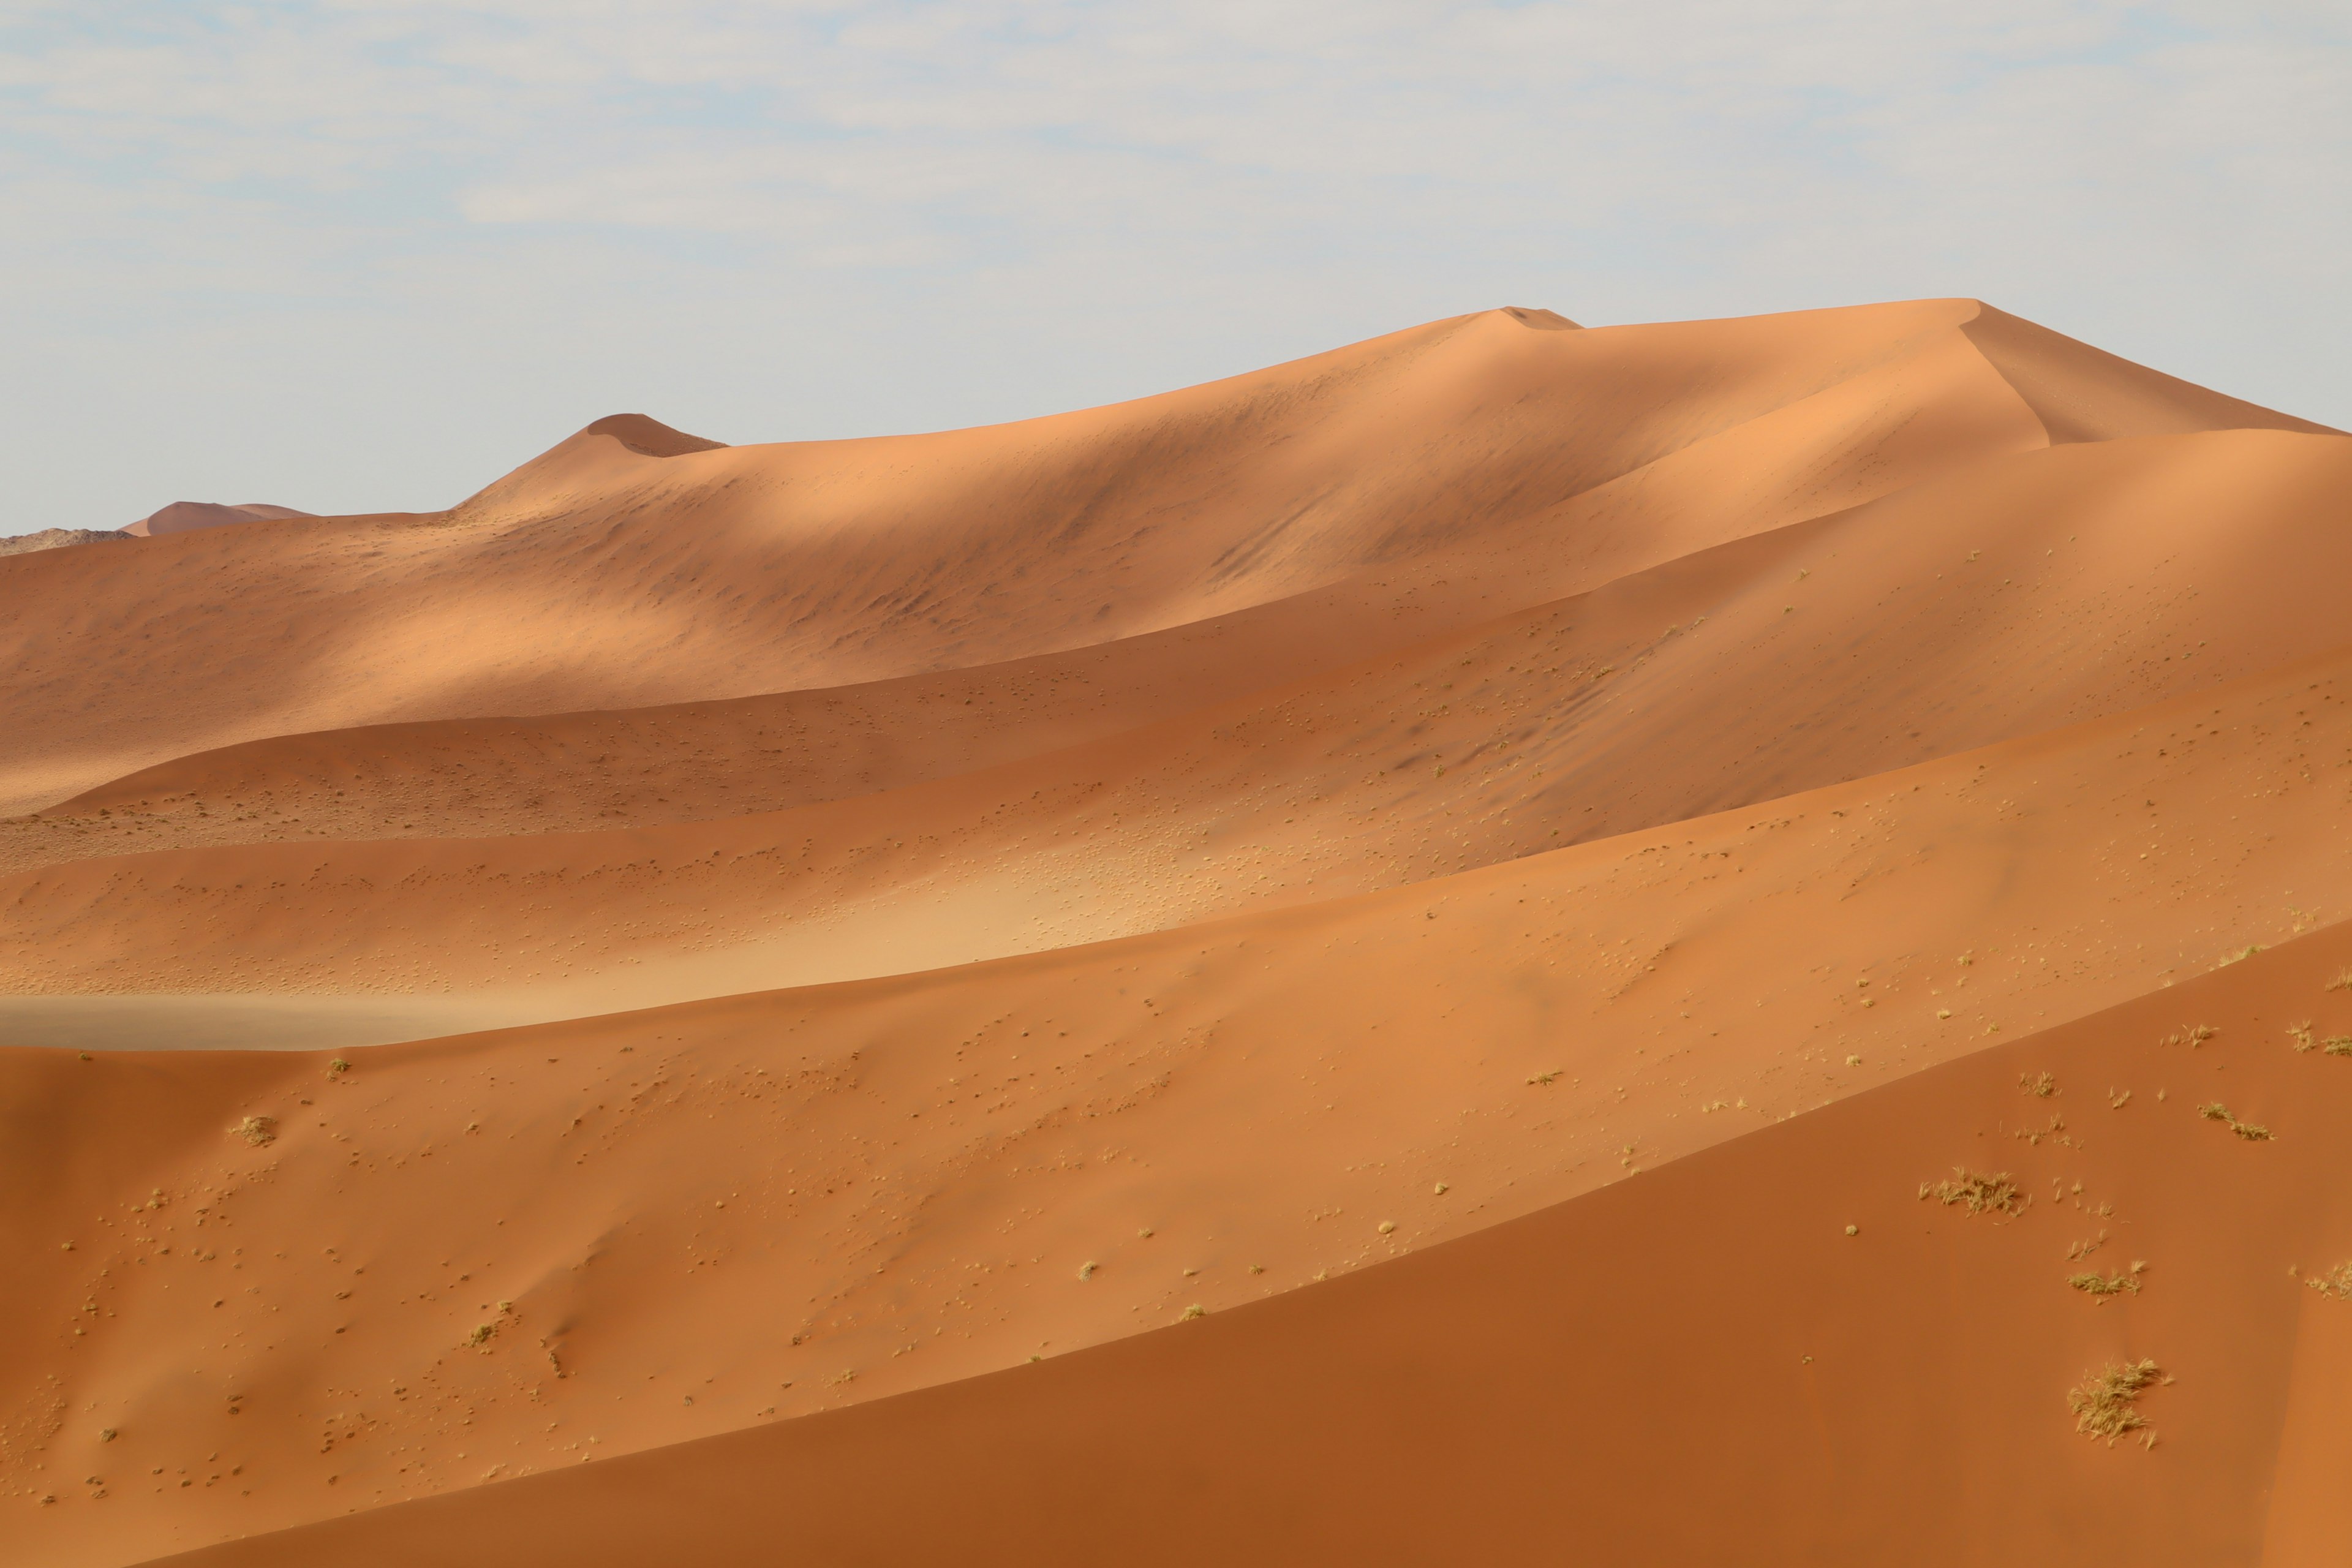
column 867, row 917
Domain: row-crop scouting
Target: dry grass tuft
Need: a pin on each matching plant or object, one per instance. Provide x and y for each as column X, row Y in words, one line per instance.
column 338, row 1066
column 1545, row 1080
column 1982, row 1194
column 2335, row 1284
column 2337, row 1044
column 2195, row 1034
column 2040, row 1085
column 257, row 1129
column 2107, row 1405
column 2343, row 981
column 1195, row 1311
column 2126, row 1283
column 2252, row 1132
column 2300, row 1033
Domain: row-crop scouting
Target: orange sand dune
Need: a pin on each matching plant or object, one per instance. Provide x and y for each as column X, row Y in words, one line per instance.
column 598, row 576
column 2167, row 581
column 908, row 1175
column 1470, row 859
column 185, row 516
column 1776, row 1352
column 1557, row 726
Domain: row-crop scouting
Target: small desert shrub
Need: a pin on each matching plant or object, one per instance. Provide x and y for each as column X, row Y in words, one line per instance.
column 1195, row 1311
column 2107, row 1405
column 2335, row 1284
column 2125, row 1283
column 2301, row 1035
column 2040, row 1085
column 338, row 1066
column 1982, row 1194
column 257, row 1129
column 482, row 1335
column 2337, row 1044
column 2252, row 1132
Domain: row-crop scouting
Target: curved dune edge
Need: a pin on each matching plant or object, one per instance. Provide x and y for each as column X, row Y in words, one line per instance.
column 1430, row 455
column 1828, row 650
column 1698, row 1364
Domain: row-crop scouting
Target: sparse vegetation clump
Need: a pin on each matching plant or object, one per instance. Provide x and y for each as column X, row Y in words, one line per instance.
column 2300, row 1033
column 2252, row 1132
column 2343, row 981
column 2126, row 1283
column 338, row 1066
column 2337, row 1044
column 1981, row 1194
column 2107, row 1405
column 2040, row 1085
column 2335, row 1284
column 1195, row 1311
column 2193, row 1035
column 257, row 1129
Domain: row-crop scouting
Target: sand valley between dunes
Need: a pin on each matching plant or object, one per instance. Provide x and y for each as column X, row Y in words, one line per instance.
column 1722, row 941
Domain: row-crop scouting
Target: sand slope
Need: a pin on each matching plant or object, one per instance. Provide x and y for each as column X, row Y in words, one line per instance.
column 1698, row 1364
column 914, row 1170
column 1470, row 859
column 1434, row 456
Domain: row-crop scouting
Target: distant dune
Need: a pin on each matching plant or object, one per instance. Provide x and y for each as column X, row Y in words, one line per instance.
column 1669, row 943
column 184, row 516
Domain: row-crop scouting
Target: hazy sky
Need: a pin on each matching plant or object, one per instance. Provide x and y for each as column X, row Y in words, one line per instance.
column 368, row 254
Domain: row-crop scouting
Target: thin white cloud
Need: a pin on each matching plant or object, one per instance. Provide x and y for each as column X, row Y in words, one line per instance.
column 989, row 208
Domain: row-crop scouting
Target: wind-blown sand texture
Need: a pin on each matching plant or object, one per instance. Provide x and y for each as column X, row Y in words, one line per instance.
column 1377, row 961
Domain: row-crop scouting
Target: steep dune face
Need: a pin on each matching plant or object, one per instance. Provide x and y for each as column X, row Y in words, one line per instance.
column 1428, row 463
column 708, row 1214
column 1784, row 1351
column 863, row 917
column 1926, row 623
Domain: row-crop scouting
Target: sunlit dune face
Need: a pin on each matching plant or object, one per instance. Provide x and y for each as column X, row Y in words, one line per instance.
column 1722, row 939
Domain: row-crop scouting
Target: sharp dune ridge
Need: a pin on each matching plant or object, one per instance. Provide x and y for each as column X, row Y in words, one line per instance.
column 1419, row 924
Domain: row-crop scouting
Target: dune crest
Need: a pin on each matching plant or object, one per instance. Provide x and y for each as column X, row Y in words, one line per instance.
column 1382, row 957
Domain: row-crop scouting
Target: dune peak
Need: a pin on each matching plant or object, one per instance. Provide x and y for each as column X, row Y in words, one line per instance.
column 649, row 437
column 1541, row 320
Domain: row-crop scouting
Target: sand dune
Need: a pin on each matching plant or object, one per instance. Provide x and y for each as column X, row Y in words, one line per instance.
column 1699, row 1364
column 1432, row 460
column 185, row 516
column 1470, row 859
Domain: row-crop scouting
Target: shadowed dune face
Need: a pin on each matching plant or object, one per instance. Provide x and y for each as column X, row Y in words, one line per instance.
column 1433, row 458
column 857, row 918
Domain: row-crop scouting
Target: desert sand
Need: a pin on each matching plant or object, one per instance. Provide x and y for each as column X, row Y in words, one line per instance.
column 1311, row 968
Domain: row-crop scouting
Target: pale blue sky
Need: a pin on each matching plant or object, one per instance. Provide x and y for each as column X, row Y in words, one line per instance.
column 368, row 254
